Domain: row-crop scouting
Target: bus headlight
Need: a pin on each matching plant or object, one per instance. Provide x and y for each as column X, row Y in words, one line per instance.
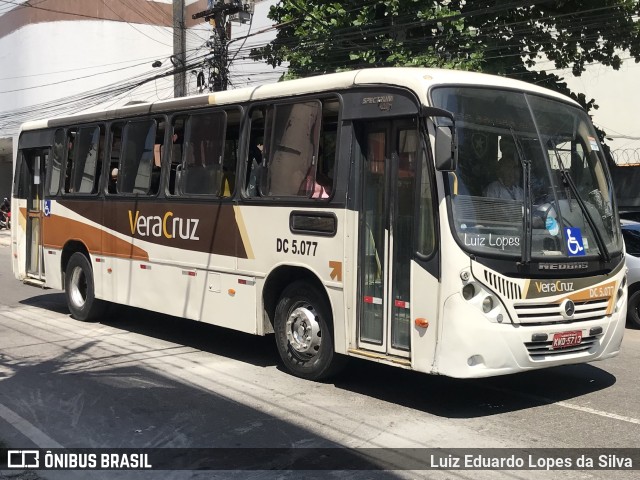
column 483, row 299
column 487, row 304
column 468, row 291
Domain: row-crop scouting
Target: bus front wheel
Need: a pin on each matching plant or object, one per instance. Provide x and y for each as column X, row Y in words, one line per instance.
column 79, row 289
column 303, row 333
column 633, row 309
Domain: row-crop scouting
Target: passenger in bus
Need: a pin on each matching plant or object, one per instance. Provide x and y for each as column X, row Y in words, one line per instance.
column 507, row 186
column 113, row 181
column 322, row 186
column 176, row 158
column 255, row 163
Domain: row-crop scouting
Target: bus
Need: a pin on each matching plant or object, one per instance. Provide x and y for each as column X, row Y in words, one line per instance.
column 356, row 214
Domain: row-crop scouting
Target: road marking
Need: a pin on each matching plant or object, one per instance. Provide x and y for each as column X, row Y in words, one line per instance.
column 571, row 406
column 33, row 433
column 599, row 412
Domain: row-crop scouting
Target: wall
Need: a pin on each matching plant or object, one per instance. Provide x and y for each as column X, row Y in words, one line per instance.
column 616, row 93
column 48, row 56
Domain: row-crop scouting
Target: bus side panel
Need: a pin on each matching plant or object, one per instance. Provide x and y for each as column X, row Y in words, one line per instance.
column 230, row 301
column 425, row 302
column 169, row 289
column 19, row 238
column 52, row 258
column 62, row 225
column 346, row 327
column 52, row 255
column 270, row 243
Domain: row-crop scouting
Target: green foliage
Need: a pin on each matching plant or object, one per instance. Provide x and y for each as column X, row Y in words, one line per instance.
column 319, row 37
column 502, row 37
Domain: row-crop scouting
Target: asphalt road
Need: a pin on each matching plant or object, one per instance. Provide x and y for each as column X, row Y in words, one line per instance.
column 140, row 379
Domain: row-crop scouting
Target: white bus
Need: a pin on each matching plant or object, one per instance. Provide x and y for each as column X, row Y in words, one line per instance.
column 367, row 214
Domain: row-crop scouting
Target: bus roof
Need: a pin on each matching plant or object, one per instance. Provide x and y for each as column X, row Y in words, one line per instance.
column 419, row 80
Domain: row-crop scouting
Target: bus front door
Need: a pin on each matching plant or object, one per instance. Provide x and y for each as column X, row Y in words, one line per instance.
column 35, row 163
column 388, row 159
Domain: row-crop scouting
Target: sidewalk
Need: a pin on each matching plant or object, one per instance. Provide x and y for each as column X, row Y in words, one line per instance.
column 5, row 238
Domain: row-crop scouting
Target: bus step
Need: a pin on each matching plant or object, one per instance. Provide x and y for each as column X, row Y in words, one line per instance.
column 405, row 362
column 34, row 282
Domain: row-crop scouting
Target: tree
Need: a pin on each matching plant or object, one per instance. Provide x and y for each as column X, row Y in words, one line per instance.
column 502, row 37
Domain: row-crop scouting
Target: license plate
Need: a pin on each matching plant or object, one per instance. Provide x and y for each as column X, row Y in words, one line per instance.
column 567, row 339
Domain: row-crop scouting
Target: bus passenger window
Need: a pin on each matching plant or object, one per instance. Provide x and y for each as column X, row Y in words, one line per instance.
column 204, row 147
column 255, row 168
column 230, row 154
column 158, row 153
column 71, row 137
column 291, row 160
column 136, row 162
column 114, row 157
column 175, row 162
column 56, row 162
column 292, row 150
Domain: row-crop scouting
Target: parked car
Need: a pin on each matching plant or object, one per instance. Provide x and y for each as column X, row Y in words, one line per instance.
column 631, row 234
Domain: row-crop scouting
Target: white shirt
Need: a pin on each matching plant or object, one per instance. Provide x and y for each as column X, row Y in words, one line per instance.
column 497, row 189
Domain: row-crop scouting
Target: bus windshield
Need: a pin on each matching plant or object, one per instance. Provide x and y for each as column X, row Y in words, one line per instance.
column 531, row 180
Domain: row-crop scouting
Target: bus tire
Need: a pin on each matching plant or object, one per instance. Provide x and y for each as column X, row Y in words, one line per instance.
column 80, row 291
column 633, row 309
column 304, row 334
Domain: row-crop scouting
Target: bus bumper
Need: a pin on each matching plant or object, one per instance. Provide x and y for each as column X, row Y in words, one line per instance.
column 472, row 346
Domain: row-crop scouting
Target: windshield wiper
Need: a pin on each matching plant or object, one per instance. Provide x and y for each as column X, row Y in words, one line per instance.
column 566, row 177
column 526, row 167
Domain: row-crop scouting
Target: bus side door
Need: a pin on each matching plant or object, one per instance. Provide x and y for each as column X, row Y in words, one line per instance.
column 393, row 177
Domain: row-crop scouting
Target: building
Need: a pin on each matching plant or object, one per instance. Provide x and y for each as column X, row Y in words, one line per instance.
column 615, row 92
column 65, row 56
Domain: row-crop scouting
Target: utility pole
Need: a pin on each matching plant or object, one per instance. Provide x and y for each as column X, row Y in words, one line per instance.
column 178, row 59
column 220, row 14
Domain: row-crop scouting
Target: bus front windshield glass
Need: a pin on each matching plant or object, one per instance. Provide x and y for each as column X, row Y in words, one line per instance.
column 528, row 164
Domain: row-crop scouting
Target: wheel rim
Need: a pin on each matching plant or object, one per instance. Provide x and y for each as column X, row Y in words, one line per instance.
column 303, row 331
column 78, row 287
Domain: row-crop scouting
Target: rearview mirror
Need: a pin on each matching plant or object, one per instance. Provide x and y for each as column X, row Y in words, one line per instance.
column 446, row 151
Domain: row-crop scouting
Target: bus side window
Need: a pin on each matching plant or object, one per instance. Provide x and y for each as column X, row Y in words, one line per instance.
column 291, row 149
column 230, row 154
column 71, row 139
column 136, row 162
column 158, row 153
column 323, row 186
column 114, row 157
column 255, row 157
column 57, row 158
column 87, row 160
column 204, row 148
column 175, row 161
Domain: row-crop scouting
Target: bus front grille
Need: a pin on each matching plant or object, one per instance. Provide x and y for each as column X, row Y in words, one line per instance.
column 503, row 286
column 545, row 350
column 550, row 313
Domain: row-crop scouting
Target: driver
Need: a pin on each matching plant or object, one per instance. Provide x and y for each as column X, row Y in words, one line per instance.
column 506, row 186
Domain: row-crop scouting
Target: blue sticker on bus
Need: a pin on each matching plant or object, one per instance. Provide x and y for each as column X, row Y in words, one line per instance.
column 575, row 244
column 47, row 208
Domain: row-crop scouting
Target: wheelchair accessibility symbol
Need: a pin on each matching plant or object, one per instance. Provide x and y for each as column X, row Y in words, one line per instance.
column 575, row 245
column 47, row 208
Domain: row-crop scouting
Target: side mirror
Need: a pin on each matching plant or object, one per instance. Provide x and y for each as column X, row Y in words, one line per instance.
column 446, row 152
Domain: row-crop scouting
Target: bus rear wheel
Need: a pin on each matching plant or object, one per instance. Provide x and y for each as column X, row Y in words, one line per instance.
column 303, row 331
column 80, row 291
